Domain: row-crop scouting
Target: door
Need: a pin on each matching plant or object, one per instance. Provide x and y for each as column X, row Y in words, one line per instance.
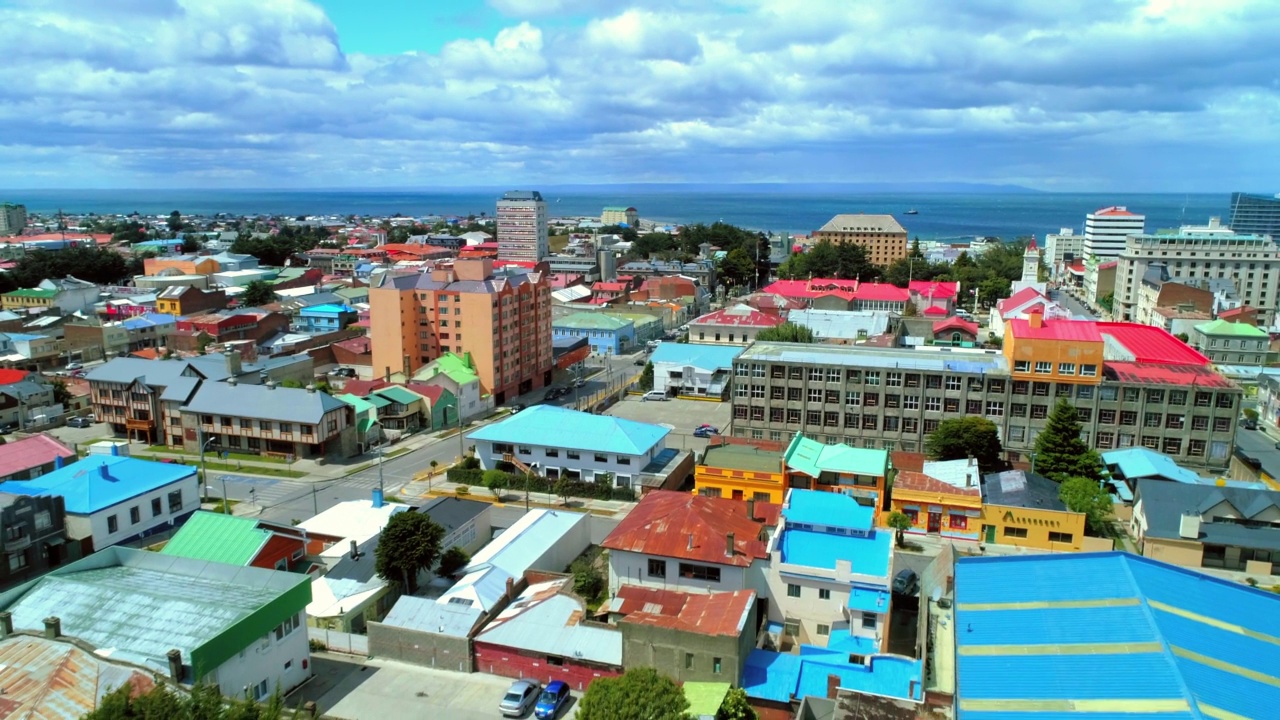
column 990, row 531
column 935, row 522
column 737, row 494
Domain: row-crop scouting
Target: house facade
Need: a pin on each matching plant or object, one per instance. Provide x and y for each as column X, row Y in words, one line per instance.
column 1205, row 526
column 1232, row 343
column 276, row 421
column 34, row 536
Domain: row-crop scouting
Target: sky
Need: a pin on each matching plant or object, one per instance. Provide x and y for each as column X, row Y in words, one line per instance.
column 1071, row 95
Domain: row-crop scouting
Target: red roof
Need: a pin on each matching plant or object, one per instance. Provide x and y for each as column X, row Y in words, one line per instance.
column 720, row 613
column 1150, row 344
column 690, row 527
column 930, row 288
column 146, row 353
column 771, row 301
column 358, row 345
column 361, row 388
column 1233, row 312
column 30, row 452
column 1031, row 246
column 1021, row 297
column 1108, row 265
column 907, row 460
column 882, row 291
column 1114, row 211
column 739, row 316
column 918, row 481
column 1191, row 376
column 1074, row 330
column 935, row 311
column 431, row 392
column 609, row 286
column 8, row 377
column 956, row 323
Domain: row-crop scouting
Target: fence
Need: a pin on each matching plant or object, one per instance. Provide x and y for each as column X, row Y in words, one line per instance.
column 341, row 642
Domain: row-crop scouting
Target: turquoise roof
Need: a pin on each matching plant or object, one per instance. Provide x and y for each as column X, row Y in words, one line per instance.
column 866, row 555
column 1140, row 462
column 705, row 357
column 218, row 538
column 551, row 426
column 814, row 458
column 101, row 481
column 868, row 600
column 816, row 507
column 780, row 677
column 1111, row 628
column 327, row 309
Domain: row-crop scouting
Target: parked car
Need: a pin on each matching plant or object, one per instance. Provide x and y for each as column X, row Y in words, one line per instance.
column 75, row 366
column 552, row 701
column 516, row 407
column 705, row 431
column 906, row 582
column 641, row 361
column 8, row 429
column 654, row 395
column 522, row 695
column 79, row 422
column 579, row 382
column 1249, row 424
column 345, row 372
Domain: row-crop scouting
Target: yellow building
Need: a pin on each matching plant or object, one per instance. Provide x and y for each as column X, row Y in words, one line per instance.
column 936, row 507
column 740, row 472
column 1023, row 509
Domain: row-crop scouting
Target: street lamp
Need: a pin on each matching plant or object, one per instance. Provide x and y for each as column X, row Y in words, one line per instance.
column 380, row 489
column 204, row 473
column 527, row 476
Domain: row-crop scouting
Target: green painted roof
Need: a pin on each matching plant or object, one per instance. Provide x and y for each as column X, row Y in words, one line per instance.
column 1223, row 327
column 377, row 400
column 362, row 406
column 591, row 321
column 705, row 698
column 638, row 318
column 457, row 367
column 218, row 538
column 813, row 458
column 33, row 292
column 398, row 394
column 365, row 423
column 742, row 457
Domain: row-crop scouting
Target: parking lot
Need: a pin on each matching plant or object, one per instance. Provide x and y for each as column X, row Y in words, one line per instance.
column 356, row 689
column 682, row 416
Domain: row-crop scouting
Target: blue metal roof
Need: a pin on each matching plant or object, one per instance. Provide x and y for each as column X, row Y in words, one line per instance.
column 102, row 481
column 551, row 426
column 829, row 509
column 1140, row 462
column 868, row 600
column 780, row 677
column 706, row 357
column 867, row 555
column 1184, row 644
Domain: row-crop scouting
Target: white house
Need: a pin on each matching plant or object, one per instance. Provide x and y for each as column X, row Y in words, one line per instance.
column 112, row 499
column 568, row 443
column 693, row 369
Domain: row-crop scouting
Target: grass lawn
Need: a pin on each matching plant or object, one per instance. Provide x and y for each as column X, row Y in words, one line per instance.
column 243, row 457
column 233, row 467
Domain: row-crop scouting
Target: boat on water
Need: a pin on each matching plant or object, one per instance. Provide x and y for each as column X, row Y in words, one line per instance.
column 912, row 211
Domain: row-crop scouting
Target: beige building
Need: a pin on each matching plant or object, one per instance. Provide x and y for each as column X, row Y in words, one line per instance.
column 13, row 218
column 1099, row 280
column 522, row 226
column 883, row 237
column 1206, row 526
column 621, row 216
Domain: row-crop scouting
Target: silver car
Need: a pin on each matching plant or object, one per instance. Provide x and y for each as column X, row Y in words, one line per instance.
column 522, row 695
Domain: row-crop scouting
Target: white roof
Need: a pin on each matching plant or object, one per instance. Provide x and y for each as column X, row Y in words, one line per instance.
column 481, row 589
column 326, row 603
column 571, row 293
column 520, row 546
column 355, row 520
column 547, row 622
column 956, row 473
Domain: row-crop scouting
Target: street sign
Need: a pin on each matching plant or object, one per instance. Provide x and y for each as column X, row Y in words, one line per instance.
column 288, row 458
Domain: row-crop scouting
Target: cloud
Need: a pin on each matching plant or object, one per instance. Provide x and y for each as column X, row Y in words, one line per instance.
column 245, row 92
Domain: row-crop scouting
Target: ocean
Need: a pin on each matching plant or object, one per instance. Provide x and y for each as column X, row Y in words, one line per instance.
column 796, row 209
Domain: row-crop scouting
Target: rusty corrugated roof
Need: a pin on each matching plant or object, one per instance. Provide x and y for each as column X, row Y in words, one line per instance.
column 56, row 680
column 690, row 527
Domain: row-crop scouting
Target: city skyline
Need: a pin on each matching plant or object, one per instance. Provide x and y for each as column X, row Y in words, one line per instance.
column 298, row 94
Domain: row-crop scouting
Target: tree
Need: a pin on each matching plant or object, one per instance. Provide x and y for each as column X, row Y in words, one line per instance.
column 1060, row 453
column 175, row 221
column 900, row 523
column 563, row 488
column 91, row 264
column 646, row 377
column 191, row 243
column 453, row 560
column 1083, row 495
column 969, row 436
column 496, row 481
column 61, row 395
column 203, row 702
column 786, row 332
column 257, row 292
column 410, row 543
column 737, row 268
column 736, row 707
column 910, row 310
column 588, row 582
column 638, row 694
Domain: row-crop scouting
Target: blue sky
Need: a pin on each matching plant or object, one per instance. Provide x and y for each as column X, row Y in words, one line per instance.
column 1072, row 95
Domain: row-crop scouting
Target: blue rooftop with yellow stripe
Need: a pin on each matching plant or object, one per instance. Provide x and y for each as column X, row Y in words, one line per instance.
column 1111, row 635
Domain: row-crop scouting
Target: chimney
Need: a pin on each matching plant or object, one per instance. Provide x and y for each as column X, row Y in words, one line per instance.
column 751, row 509
column 6, row 624
column 833, row 684
column 355, row 551
column 271, row 384
column 968, row 479
column 233, row 362
column 690, row 541
column 52, row 628
column 1035, row 319
column 1189, row 526
column 115, row 451
column 175, row 665
column 511, row 588
column 377, row 498
column 386, row 373
column 728, row 545
column 232, row 381
column 311, row 388
column 102, row 469
column 57, row 462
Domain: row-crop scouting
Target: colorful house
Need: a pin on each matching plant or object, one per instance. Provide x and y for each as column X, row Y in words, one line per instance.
column 1046, row 350
column 740, row 472
column 1023, row 509
column 936, row 507
column 325, row 318
column 857, row 472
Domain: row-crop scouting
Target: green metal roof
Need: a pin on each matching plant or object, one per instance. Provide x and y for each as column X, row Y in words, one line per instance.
column 377, row 401
column 705, row 698
column 591, row 321
column 457, row 367
column 218, row 538
column 397, row 394
column 362, row 406
column 742, row 457
column 33, row 293
column 813, row 458
column 1223, row 327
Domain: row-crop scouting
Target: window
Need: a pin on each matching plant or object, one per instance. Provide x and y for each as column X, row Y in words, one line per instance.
column 43, row 520
column 1128, row 417
column 1107, row 417
column 815, row 395
column 911, row 402
column 893, row 379
column 688, row 661
column 155, row 507
column 1040, row 389
column 816, row 374
column 658, row 568
column 624, row 460
column 953, row 382
column 699, row 572
column 1151, row 420
column 135, row 515
column 973, row 407
column 793, row 590
column 853, row 398
column 824, row 594
column 824, row 630
column 551, row 452
column 873, row 377
column 286, row 427
column 833, row 375
column 1039, row 412
column 1060, row 537
column 1063, row 390
column 1155, row 396
column 1089, row 370
column 995, row 408
column 958, row 522
column 601, row 457
column 245, row 424
column 793, row 394
column 175, row 501
column 715, row 665
column 933, row 404
column 1084, row 415
column 868, row 621
column 1021, row 387
column 1066, row 368
column 572, row 455
column 1044, row 367
column 1084, row 392
column 17, row 561
column 264, row 425
column 1015, row 532
column 1022, row 366
column 113, row 524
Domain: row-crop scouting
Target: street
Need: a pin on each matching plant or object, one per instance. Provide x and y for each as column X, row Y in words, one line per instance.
column 1076, row 307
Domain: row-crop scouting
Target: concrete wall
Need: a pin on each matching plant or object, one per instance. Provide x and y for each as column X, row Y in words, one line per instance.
column 666, row 649
column 265, row 658
column 420, row 648
column 628, row 568
column 1186, row 553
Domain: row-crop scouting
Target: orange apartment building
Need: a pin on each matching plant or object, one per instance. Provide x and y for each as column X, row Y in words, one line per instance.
column 1064, row 352
column 883, row 237
column 502, row 318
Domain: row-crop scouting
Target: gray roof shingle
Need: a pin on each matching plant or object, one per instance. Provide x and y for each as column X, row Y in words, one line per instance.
column 263, row 402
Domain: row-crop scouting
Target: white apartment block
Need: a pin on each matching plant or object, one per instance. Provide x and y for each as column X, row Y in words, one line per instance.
column 1061, row 248
column 1251, row 262
column 522, row 226
column 1105, row 231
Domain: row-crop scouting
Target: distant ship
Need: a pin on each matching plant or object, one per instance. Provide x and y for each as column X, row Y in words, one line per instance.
column 912, row 211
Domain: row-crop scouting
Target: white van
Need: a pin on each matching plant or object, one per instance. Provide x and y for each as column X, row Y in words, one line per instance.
column 654, row 395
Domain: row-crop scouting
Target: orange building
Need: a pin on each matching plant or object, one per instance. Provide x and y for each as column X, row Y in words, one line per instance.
column 183, row 264
column 1066, row 351
column 502, row 318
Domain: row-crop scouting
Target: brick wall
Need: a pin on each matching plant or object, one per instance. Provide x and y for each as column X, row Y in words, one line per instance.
column 519, row 664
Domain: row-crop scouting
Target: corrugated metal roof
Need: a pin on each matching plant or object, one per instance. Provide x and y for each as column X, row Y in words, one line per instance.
column 691, row 527
column 519, row 547
column 218, row 538
column 56, row 680
column 862, row 356
column 1140, row 462
column 720, row 613
column 32, row 452
column 1186, row 644
column 551, row 426
column 866, row 555
column 101, row 481
column 544, row 620
column 814, row 458
column 703, row 357
column 430, row 616
column 355, row 520
column 262, row 402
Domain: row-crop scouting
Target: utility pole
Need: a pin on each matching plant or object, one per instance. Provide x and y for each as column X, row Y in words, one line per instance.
column 380, row 488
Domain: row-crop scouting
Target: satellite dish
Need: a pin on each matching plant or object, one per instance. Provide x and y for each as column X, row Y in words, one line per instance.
column 936, row 595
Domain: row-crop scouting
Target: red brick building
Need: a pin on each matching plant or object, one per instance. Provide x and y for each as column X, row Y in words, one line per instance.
column 225, row 327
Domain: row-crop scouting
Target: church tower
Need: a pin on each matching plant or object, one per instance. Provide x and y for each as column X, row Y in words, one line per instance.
column 1031, row 263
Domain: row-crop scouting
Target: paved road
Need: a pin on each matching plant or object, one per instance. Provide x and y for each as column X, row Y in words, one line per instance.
column 1075, row 306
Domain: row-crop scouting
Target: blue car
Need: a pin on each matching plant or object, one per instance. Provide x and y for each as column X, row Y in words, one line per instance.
column 552, row 700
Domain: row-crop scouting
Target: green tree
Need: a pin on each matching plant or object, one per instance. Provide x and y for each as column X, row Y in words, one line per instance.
column 175, row 221
column 453, row 560
column 588, row 581
column 737, row 268
column 969, row 436
column 1083, row 495
column 563, row 488
column 638, row 694
column 203, row 702
column 900, row 523
column 496, row 481
column 910, row 310
column 786, row 332
column 410, row 543
column 291, row 383
column 1060, row 453
column 61, row 395
column 646, row 377
column 736, row 707
column 91, row 264
column 191, row 243
column 257, row 292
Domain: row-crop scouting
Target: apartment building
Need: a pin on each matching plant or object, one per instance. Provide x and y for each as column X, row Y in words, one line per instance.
column 883, row 237
column 1149, row 390
column 267, row 420
column 1250, row 262
column 500, row 318
column 13, row 218
column 628, row 216
column 1252, row 214
column 522, row 226
column 1105, row 231
column 1230, row 343
column 1061, row 249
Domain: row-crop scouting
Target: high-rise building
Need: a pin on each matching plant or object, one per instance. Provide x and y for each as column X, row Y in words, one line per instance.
column 13, row 218
column 1106, row 229
column 1255, row 214
column 501, row 318
column 1061, row 249
column 522, row 226
column 883, row 237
